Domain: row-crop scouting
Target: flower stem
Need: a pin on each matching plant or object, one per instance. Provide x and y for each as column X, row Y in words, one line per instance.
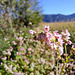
column 8, row 57
column 57, row 67
column 66, row 52
column 62, row 69
column 69, row 56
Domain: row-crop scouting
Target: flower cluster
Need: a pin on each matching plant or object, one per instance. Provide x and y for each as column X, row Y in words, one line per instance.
column 66, row 37
column 54, row 40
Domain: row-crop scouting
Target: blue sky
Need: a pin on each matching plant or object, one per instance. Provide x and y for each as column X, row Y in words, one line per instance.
column 65, row 7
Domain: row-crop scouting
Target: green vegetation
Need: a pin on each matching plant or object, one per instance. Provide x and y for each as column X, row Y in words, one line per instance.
column 21, row 12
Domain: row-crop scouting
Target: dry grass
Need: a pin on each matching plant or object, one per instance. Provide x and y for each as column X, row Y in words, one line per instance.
column 57, row 26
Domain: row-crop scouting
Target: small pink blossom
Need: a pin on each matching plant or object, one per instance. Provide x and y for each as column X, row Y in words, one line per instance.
column 53, row 46
column 47, row 41
column 66, row 31
column 18, row 53
column 11, row 48
column 60, row 42
column 5, row 39
column 69, row 42
column 32, row 32
column 46, row 28
column 48, row 35
column 73, row 46
column 20, row 38
column 14, row 42
column 4, row 58
column 55, row 33
column 22, row 49
column 29, row 49
column 26, row 60
column 61, row 50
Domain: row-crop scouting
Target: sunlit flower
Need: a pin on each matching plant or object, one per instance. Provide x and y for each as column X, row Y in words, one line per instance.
column 4, row 58
column 30, row 23
column 69, row 42
column 66, row 37
column 32, row 32
column 53, row 46
column 46, row 28
column 29, row 49
column 67, row 33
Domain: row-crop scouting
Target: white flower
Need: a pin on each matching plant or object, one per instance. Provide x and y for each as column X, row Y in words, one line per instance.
column 14, row 68
column 6, row 67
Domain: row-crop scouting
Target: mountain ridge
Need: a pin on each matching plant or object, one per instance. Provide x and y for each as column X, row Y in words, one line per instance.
column 58, row 17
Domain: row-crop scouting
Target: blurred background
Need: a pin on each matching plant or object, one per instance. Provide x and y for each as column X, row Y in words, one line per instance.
column 20, row 54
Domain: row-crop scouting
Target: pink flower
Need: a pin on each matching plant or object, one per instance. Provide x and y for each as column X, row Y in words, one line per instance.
column 46, row 28
column 69, row 42
column 11, row 48
column 14, row 42
column 47, row 41
column 65, row 37
column 60, row 41
column 4, row 58
column 5, row 39
column 20, row 38
column 26, row 60
column 53, row 46
column 29, row 49
column 73, row 46
column 66, row 31
column 32, row 32
column 18, row 53
column 57, row 35
column 61, row 50
column 48, row 35
column 22, row 49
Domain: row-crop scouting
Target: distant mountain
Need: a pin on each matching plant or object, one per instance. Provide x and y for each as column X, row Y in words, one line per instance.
column 59, row 18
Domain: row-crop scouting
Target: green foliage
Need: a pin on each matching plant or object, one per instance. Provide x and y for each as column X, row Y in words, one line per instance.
column 25, row 12
column 31, row 59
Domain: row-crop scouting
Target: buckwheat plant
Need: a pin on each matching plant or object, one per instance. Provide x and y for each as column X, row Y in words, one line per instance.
column 55, row 42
